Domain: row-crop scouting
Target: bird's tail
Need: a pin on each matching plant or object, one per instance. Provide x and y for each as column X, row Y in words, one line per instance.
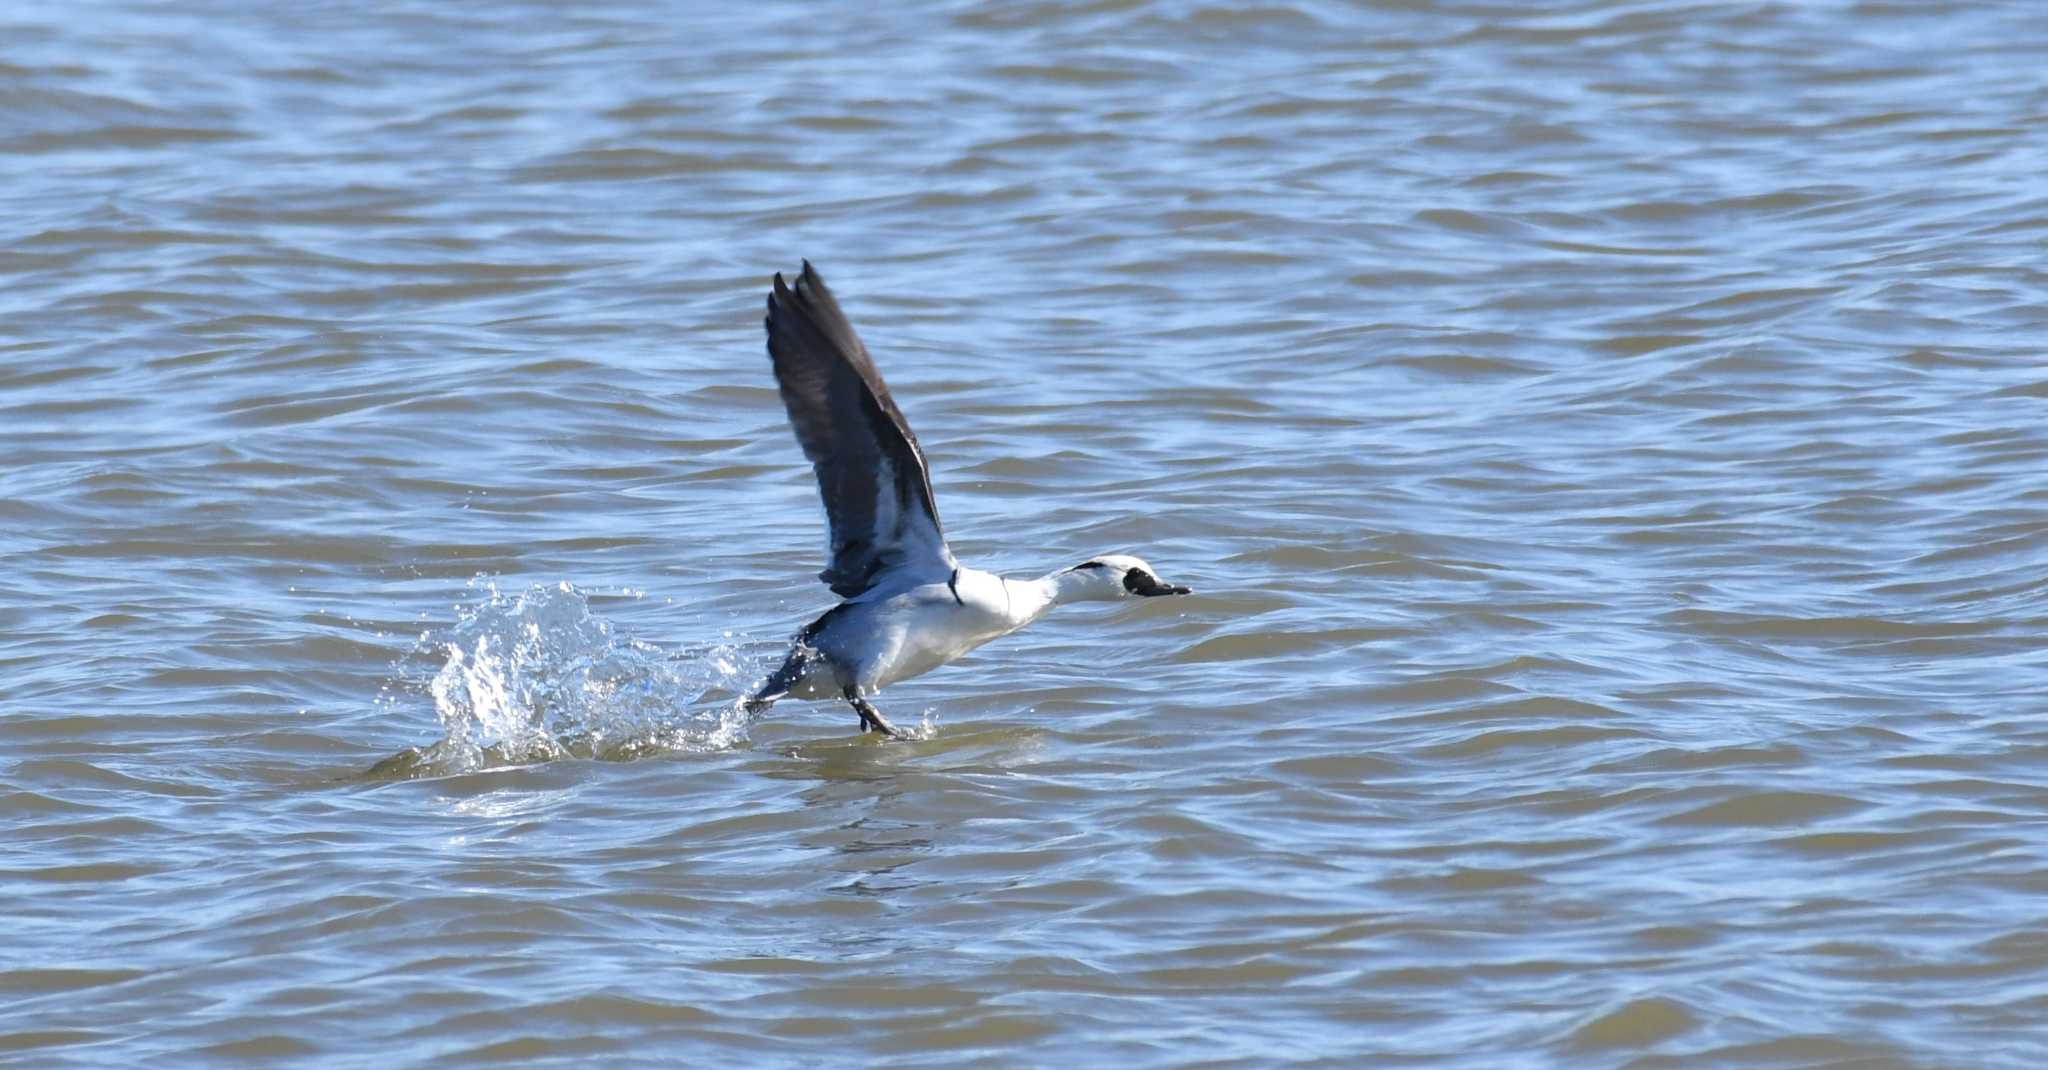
column 779, row 682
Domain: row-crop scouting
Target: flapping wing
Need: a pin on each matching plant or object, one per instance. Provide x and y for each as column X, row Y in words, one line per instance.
column 878, row 494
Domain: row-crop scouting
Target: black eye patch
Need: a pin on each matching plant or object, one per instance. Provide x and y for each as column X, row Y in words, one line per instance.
column 1138, row 579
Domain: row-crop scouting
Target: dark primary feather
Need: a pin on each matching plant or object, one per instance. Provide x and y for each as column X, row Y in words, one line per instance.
column 877, row 491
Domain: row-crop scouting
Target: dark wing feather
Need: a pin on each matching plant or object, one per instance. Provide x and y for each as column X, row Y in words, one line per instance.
column 877, row 491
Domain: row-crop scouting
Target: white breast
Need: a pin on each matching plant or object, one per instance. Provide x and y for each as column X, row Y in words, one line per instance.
column 917, row 630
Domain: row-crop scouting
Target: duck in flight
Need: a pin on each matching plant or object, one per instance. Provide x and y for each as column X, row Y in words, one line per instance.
column 909, row 606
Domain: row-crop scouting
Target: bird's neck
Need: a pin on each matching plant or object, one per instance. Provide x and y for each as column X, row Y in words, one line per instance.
column 1032, row 599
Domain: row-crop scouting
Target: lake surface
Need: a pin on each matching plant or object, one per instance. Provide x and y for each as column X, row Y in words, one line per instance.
column 1607, row 441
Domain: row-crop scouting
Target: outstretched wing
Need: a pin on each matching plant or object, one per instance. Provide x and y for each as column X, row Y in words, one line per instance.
column 878, row 494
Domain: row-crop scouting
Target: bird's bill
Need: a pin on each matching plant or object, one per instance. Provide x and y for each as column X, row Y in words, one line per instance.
column 1150, row 587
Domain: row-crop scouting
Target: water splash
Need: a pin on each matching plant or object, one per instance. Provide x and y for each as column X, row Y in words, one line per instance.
column 534, row 675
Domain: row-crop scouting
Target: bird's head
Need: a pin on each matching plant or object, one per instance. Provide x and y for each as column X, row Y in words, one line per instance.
column 1114, row 576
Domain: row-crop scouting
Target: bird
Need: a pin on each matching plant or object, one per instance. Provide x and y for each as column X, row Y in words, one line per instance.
column 908, row 606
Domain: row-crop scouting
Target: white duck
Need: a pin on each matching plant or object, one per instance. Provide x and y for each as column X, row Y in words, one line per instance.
column 909, row 606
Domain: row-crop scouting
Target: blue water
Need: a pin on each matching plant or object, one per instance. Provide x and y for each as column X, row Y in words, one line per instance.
column 1605, row 440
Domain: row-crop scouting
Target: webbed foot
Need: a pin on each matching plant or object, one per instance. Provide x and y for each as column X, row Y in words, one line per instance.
column 871, row 719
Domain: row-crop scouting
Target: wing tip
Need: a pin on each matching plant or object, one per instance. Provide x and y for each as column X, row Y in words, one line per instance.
column 784, row 299
column 808, row 299
column 811, row 285
column 808, row 285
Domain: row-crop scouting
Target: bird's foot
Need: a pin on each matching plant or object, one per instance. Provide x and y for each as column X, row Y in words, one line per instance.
column 871, row 719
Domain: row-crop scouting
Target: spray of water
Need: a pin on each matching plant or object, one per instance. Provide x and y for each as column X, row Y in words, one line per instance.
column 533, row 675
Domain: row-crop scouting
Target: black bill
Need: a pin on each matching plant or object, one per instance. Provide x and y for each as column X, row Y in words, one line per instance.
column 1144, row 584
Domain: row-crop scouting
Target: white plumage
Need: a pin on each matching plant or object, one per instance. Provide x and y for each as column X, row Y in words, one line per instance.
column 910, row 606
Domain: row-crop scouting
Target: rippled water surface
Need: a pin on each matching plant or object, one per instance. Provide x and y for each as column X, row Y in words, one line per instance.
column 1607, row 440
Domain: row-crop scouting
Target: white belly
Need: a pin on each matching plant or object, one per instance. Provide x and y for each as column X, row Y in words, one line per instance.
column 907, row 634
column 936, row 635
